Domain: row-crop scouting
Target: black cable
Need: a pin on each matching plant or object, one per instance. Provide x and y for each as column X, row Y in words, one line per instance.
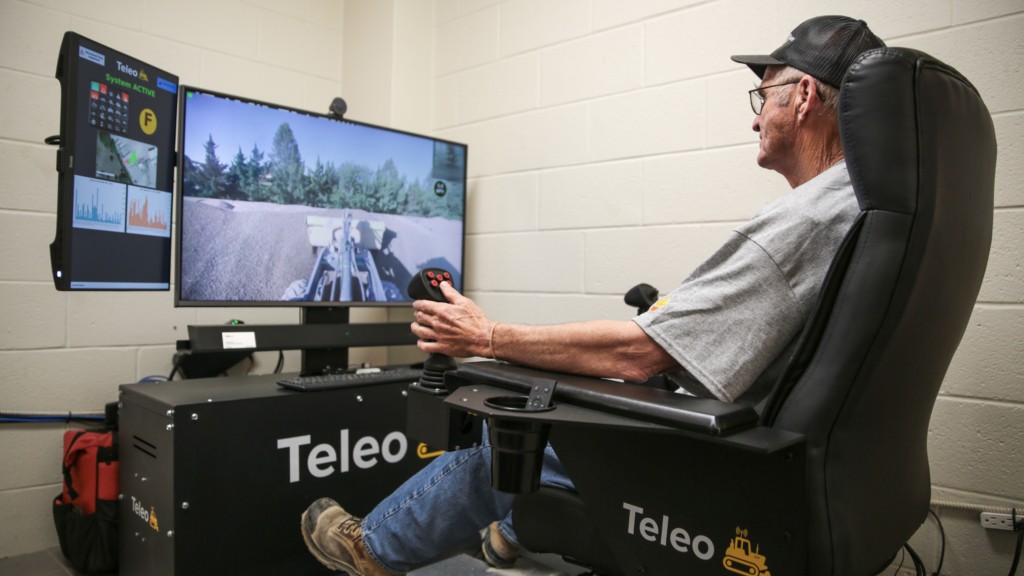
column 280, row 362
column 942, row 542
column 1020, row 542
column 903, row 556
column 918, row 563
column 178, row 358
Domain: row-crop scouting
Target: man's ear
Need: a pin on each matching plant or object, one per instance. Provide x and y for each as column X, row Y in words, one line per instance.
column 807, row 96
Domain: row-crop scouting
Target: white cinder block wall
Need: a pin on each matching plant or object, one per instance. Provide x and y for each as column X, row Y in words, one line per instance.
column 70, row 351
column 610, row 144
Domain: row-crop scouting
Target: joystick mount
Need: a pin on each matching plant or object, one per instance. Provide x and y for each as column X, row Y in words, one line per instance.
column 428, row 419
column 517, row 445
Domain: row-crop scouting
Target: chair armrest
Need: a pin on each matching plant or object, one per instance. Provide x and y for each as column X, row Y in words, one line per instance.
column 642, row 403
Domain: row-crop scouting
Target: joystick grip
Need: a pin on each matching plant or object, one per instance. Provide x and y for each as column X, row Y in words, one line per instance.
column 427, row 284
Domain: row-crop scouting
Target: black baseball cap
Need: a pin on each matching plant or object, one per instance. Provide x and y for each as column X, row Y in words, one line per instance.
column 823, row 47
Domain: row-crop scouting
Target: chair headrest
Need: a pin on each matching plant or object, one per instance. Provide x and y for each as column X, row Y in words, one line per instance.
column 882, row 98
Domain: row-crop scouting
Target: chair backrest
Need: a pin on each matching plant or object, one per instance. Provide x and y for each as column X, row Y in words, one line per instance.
column 920, row 148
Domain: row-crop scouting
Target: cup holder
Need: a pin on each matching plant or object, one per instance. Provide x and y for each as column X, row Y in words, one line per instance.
column 517, row 444
column 516, row 404
column 517, row 453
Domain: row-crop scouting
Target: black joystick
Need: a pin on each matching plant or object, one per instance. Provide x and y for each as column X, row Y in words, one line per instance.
column 427, row 286
column 643, row 296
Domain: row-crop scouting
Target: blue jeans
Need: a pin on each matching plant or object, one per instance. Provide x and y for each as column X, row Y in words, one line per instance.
column 443, row 507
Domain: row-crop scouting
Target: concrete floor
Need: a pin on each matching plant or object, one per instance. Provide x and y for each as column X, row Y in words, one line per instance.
column 52, row 563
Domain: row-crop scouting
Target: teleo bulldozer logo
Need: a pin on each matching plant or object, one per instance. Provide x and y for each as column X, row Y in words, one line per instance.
column 147, row 516
column 739, row 558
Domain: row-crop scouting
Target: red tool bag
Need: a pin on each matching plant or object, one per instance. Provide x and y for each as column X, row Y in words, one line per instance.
column 85, row 512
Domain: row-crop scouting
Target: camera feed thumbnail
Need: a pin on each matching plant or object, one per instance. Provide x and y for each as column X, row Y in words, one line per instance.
column 125, row 160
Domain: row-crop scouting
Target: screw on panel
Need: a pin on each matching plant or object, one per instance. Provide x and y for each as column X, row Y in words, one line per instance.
column 195, row 416
column 184, row 505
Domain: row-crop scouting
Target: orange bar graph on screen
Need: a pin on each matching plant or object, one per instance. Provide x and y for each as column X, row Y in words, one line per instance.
column 141, row 218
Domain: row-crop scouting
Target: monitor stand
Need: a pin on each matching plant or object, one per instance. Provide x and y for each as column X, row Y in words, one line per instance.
column 324, row 336
column 324, row 360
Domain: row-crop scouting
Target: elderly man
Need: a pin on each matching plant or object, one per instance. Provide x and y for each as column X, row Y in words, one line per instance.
column 723, row 333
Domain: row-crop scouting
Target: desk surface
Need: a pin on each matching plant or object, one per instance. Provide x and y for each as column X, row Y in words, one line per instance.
column 160, row 396
column 196, row 390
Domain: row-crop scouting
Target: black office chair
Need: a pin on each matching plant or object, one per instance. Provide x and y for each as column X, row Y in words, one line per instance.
column 831, row 477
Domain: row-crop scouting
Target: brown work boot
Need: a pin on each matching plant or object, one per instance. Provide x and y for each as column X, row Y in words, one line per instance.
column 497, row 551
column 335, row 538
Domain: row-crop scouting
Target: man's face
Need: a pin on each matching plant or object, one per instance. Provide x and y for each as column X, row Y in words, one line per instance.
column 776, row 124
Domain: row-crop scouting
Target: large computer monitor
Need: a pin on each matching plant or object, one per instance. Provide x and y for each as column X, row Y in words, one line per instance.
column 115, row 169
column 282, row 207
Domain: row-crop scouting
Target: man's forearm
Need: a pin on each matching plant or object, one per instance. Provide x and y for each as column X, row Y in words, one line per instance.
column 603, row 348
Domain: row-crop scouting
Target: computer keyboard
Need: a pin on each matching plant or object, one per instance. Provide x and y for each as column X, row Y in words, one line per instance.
column 351, row 379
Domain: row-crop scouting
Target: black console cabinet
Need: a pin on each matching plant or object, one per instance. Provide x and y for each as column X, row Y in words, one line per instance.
column 215, row 473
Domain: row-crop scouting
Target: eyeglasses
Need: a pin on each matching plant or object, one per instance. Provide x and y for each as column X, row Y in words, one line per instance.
column 757, row 98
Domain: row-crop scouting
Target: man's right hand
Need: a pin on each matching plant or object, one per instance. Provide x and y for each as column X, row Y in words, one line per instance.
column 456, row 328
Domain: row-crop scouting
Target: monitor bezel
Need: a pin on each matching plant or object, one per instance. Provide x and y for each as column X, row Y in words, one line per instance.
column 183, row 91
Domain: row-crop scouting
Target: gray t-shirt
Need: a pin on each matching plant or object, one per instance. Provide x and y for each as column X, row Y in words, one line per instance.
column 731, row 323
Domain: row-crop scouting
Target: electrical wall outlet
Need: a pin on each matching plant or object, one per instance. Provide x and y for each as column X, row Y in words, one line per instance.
column 994, row 521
